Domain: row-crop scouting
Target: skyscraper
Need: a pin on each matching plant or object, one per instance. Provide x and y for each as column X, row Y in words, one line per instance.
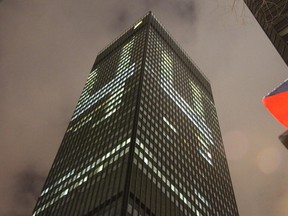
column 144, row 138
column 272, row 17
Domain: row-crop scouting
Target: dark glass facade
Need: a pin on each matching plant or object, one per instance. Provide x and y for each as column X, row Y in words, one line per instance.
column 272, row 17
column 144, row 138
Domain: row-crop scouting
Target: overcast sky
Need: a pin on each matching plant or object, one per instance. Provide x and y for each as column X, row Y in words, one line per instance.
column 47, row 48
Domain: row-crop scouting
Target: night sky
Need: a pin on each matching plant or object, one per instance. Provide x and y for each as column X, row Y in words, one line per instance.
column 47, row 48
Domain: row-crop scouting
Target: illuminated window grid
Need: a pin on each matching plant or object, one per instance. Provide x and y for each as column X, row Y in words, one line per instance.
column 90, row 135
column 186, row 160
column 142, row 91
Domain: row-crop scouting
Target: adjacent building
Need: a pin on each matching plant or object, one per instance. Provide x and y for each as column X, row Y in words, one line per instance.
column 273, row 18
column 144, row 138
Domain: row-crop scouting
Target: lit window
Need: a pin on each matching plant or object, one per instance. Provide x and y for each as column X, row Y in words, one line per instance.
column 137, row 24
column 169, row 124
column 108, row 88
column 99, row 169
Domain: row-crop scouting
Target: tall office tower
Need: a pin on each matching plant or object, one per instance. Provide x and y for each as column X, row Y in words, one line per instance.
column 273, row 18
column 144, row 138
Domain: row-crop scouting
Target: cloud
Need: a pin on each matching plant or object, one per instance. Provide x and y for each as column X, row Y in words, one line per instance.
column 24, row 191
column 186, row 9
column 27, row 184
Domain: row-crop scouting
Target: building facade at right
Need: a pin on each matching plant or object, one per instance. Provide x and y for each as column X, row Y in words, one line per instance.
column 272, row 17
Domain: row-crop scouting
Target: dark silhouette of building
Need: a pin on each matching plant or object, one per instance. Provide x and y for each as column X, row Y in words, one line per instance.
column 144, row 138
column 272, row 15
column 284, row 138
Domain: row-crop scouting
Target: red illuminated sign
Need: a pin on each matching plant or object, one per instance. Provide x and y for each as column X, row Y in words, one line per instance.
column 277, row 103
